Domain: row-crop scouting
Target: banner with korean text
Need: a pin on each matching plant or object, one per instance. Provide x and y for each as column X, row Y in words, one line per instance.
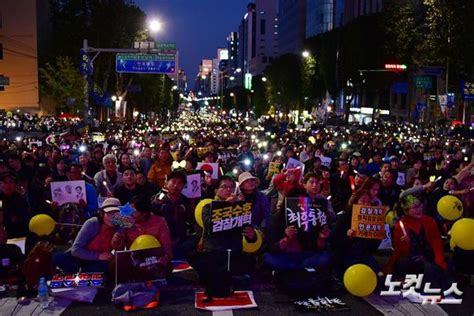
column 369, row 221
column 226, row 216
column 305, row 213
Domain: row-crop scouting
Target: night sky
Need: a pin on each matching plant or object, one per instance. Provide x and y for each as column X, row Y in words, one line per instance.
column 198, row 27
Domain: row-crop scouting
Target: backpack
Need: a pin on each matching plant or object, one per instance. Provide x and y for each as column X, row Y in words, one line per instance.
column 73, row 217
column 38, row 263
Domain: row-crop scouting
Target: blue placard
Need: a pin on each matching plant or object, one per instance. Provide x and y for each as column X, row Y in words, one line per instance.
column 146, row 63
column 467, row 90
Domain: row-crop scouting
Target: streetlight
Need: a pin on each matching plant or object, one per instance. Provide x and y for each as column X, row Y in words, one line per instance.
column 155, row 26
column 238, row 70
column 264, row 79
column 305, row 54
column 232, row 94
column 114, row 98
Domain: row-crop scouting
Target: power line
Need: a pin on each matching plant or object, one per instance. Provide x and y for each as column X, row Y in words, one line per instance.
column 20, row 53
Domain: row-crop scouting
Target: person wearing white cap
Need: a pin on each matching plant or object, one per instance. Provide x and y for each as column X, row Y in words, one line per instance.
column 91, row 250
column 261, row 213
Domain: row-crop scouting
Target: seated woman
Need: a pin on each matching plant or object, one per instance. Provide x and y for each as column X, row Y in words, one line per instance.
column 91, row 250
column 349, row 250
column 418, row 248
column 293, row 248
column 220, row 256
column 145, row 223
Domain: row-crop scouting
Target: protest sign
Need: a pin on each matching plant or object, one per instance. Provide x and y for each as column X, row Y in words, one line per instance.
column 273, row 168
column 68, row 191
column 140, row 265
column 226, row 216
column 293, row 164
column 320, row 304
column 212, row 168
column 305, row 213
column 325, row 161
column 369, row 221
column 192, row 189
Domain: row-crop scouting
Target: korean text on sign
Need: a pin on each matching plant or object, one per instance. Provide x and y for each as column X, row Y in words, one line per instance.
column 369, row 221
column 304, row 213
column 225, row 216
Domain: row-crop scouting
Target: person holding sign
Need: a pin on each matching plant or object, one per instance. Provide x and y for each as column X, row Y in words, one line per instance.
column 300, row 231
column 349, row 249
column 248, row 185
column 146, row 223
column 219, row 253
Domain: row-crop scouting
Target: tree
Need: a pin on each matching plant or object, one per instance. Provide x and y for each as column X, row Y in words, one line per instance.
column 63, row 82
column 284, row 82
column 259, row 98
column 106, row 24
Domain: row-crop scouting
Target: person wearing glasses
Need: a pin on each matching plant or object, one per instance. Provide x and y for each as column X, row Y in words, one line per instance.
column 220, row 256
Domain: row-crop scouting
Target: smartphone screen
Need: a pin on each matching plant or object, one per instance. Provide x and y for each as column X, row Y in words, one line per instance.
column 432, row 178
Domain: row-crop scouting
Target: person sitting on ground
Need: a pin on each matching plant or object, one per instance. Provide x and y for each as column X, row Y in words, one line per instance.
column 129, row 188
column 91, row 250
column 347, row 249
column 146, row 223
column 108, row 179
column 217, row 251
column 417, row 243
column 175, row 208
column 261, row 214
column 294, row 248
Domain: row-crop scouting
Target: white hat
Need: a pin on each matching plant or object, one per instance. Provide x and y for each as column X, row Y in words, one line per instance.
column 247, row 176
column 110, row 205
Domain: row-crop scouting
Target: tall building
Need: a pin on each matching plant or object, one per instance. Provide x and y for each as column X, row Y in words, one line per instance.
column 247, row 38
column 356, row 8
column 230, row 68
column 323, row 16
column 19, row 54
column 258, row 40
column 203, row 78
column 291, row 26
column 217, row 67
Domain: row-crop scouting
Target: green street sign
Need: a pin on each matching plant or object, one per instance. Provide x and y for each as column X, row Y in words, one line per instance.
column 165, row 46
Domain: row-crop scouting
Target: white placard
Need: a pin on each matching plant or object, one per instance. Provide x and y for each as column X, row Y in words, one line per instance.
column 192, row 189
column 68, row 191
column 325, row 161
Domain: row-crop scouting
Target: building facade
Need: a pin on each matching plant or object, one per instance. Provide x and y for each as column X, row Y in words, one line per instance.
column 323, row 16
column 356, row 8
column 291, row 26
column 19, row 55
column 257, row 41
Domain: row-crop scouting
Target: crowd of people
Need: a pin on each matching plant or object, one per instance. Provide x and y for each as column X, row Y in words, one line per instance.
column 145, row 164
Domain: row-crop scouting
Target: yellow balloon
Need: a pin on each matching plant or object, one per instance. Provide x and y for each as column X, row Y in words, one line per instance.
column 450, row 207
column 360, row 280
column 452, row 244
column 251, row 247
column 390, row 217
column 145, row 242
column 42, row 225
column 198, row 211
column 462, row 233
